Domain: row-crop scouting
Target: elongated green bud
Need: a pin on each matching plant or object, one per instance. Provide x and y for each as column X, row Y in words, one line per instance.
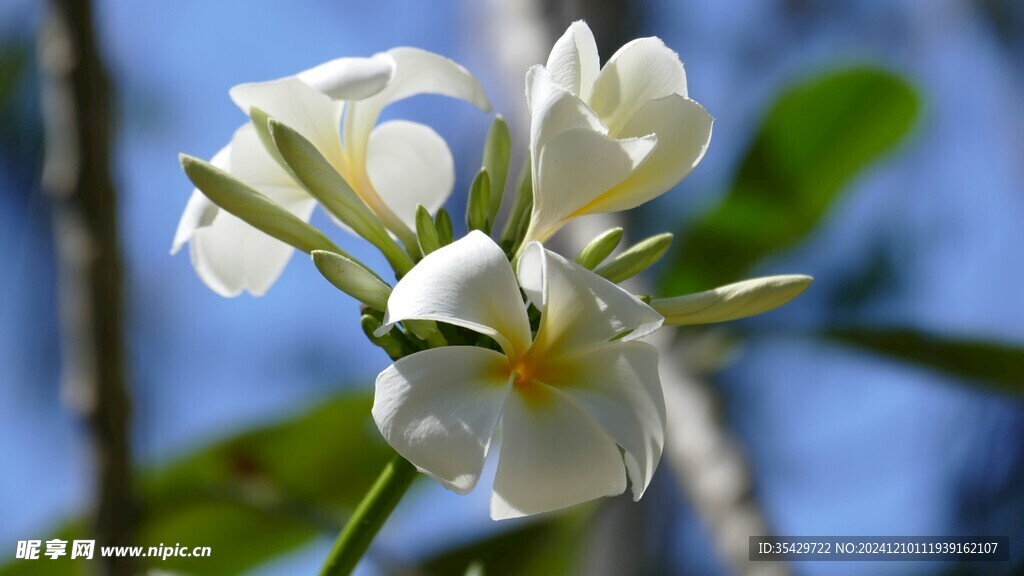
column 324, row 183
column 519, row 217
column 393, row 343
column 261, row 122
column 477, row 208
column 733, row 301
column 443, row 222
column 353, row 279
column 254, row 208
column 636, row 259
column 599, row 248
column 497, row 151
column 426, row 231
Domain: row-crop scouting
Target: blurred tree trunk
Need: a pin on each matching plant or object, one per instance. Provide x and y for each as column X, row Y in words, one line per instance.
column 76, row 176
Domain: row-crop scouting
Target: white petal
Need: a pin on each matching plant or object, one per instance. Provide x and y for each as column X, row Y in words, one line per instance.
column 409, row 164
column 683, row 128
column 468, row 283
column 438, row 409
column 199, row 211
column 579, row 309
column 573, row 62
column 351, row 78
column 642, row 70
column 252, row 164
column 416, row 72
column 576, row 168
column 553, row 455
column 733, row 301
column 617, row 383
column 231, row 256
column 554, row 110
column 301, row 107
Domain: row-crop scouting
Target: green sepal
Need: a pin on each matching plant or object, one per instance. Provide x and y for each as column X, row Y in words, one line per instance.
column 443, row 222
column 477, row 207
column 519, row 216
column 426, row 230
column 497, row 151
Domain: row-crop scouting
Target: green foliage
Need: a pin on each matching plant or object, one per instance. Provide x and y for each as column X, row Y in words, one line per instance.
column 426, row 231
column 445, row 233
column 995, row 366
column 816, row 139
column 253, row 496
column 552, row 545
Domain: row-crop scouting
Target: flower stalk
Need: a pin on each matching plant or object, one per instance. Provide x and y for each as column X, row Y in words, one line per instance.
column 369, row 516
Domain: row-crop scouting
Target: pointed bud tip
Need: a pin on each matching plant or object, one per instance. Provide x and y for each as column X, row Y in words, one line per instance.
column 185, row 159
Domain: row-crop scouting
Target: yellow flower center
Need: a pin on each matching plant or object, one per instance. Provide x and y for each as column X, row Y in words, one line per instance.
column 529, row 388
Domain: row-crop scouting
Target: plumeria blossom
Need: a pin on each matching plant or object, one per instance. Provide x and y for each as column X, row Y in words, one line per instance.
column 612, row 138
column 392, row 167
column 565, row 400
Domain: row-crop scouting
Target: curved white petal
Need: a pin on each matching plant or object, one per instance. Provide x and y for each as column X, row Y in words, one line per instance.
column 199, row 211
column 231, row 256
column 553, row 455
column 574, row 169
column 573, row 62
column 554, row 110
column 409, row 164
column 299, row 106
column 468, row 283
column 579, row 309
column 416, row 72
column 642, row 70
column 617, row 383
column 351, row 78
column 438, row 409
column 252, row 164
column 683, row 129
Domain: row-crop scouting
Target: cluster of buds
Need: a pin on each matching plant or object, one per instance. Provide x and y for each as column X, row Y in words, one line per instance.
column 492, row 331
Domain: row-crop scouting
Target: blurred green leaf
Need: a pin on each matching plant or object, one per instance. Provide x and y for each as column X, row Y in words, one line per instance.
column 551, row 545
column 992, row 365
column 815, row 140
column 253, row 496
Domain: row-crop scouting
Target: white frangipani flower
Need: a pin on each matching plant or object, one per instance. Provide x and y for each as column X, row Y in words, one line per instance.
column 608, row 139
column 566, row 400
column 392, row 166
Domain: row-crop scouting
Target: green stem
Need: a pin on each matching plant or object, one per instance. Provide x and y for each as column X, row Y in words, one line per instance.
column 369, row 516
